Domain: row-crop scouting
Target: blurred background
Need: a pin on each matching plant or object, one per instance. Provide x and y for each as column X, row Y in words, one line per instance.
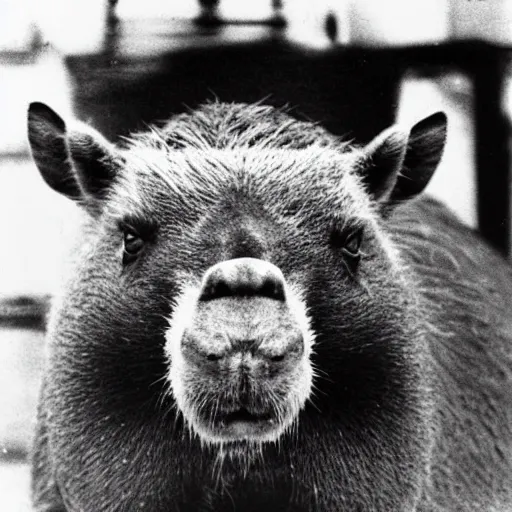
column 356, row 66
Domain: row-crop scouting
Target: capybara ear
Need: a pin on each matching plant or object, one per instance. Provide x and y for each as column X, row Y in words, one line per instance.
column 383, row 158
column 47, row 138
column 424, row 151
column 398, row 165
column 76, row 162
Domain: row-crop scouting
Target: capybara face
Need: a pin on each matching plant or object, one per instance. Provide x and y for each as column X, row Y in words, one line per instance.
column 236, row 282
column 236, row 276
column 247, row 285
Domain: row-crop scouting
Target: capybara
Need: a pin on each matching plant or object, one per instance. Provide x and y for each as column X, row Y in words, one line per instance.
column 262, row 316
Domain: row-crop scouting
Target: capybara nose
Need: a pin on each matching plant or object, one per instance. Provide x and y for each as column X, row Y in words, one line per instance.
column 243, row 277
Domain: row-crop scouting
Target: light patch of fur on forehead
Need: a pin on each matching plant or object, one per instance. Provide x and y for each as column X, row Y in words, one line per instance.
column 275, row 177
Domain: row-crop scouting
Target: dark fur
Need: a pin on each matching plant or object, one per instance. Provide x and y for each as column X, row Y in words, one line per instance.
column 411, row 407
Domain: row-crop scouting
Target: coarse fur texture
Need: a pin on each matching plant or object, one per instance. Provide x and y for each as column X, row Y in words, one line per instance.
column 379, row 377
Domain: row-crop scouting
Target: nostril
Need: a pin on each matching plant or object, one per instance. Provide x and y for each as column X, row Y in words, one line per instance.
column 272, row 288
column 215, row 289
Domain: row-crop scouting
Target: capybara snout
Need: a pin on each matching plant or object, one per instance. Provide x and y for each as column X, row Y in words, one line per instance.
column 241, row 341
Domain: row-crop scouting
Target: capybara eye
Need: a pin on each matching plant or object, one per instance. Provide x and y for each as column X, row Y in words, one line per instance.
column 352, row 244
column 133, row 244
column 349, row 243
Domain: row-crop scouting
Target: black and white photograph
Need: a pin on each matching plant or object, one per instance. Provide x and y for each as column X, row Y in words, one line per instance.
column 255, row 256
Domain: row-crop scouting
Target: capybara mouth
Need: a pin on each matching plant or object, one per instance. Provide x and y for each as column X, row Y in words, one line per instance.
column 242, row 425
column 243, row 415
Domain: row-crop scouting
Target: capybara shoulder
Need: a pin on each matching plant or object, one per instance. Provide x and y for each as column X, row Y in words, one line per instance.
column 467, row 289
column 264, row 316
